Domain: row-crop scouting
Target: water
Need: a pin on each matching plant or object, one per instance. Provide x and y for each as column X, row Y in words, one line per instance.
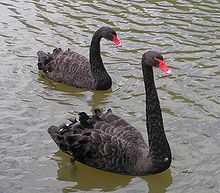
column 185, row 31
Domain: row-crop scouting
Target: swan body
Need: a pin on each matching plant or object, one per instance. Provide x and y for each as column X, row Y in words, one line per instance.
column 76, row 70
column 107, row 142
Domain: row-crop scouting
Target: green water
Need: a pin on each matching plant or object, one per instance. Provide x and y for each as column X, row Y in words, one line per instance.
column 186, row 32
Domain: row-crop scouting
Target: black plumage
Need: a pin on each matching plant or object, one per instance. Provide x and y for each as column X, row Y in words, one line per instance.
column 76, row 70
column 107, row 142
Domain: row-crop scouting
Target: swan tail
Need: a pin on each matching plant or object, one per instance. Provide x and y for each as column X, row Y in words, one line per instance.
column 44, row 59
column 55, row 134
column 74, row 134
column 59, row 137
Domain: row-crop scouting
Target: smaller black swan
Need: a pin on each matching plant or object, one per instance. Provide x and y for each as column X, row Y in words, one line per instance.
column 76, row 70
column 107, row 142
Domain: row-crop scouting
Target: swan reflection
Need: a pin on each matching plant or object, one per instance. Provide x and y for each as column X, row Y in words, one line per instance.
column 85, row 178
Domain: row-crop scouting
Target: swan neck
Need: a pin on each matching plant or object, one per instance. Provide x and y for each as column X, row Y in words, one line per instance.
column 158, row 144
column 102, row 78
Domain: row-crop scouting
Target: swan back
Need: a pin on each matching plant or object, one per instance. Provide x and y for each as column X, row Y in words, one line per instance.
column 104, row 141
column 67, row 67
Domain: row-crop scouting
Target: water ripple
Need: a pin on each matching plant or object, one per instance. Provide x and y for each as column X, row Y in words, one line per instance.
column 185, row 31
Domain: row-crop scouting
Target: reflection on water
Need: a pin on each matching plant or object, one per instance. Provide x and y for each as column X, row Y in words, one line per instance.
column 185, row 31
column 52, row 85
column 85, row 178
column 97, row 97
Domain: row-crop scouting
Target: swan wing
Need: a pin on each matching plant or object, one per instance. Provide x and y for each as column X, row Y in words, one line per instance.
column 68, row 67
column 120, row 128
column 104, row 143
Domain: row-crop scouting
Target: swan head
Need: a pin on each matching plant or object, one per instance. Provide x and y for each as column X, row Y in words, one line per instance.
column 153, row 58
column 110, row 34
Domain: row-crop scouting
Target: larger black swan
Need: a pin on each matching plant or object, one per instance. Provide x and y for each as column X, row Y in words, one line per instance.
column 76, row 70
column 107, row 142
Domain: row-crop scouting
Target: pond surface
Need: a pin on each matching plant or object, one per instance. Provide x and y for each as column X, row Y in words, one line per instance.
column 187, row 32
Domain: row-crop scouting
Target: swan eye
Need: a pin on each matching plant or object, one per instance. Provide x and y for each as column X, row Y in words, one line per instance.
column 157, row 59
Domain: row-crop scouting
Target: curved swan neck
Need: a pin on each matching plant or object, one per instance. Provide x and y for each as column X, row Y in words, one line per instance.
column 158, row 144
column 102, row 78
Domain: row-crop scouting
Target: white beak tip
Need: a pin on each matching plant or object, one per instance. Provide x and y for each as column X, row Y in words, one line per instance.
column 169, row 72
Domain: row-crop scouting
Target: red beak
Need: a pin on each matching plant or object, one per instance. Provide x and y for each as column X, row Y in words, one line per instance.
column 163, row 67
column 116, row 40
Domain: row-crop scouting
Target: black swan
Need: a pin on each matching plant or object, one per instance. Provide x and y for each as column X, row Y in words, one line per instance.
column 107, row 142
column 76, row 70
